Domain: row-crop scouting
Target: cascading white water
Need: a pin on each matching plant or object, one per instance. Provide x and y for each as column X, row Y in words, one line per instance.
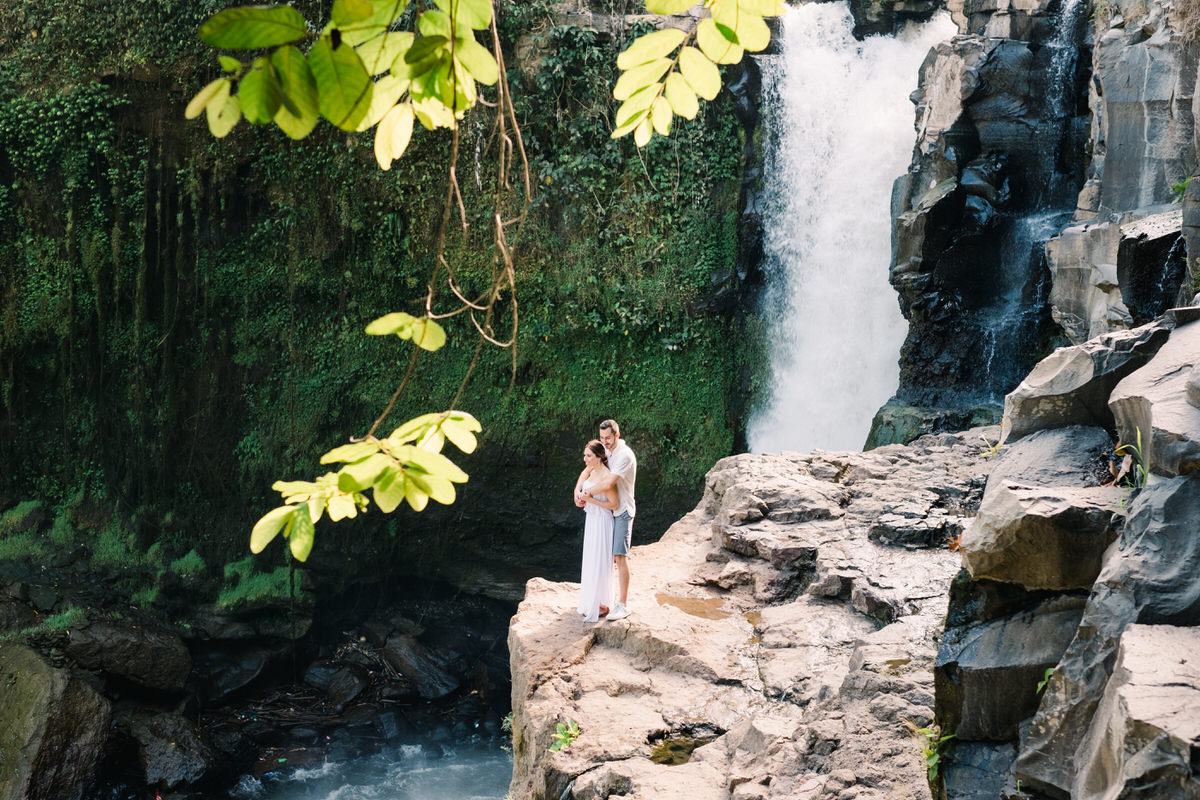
column 841, row 125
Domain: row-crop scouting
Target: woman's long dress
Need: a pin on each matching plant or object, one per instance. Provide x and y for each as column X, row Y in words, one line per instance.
column 595, row 580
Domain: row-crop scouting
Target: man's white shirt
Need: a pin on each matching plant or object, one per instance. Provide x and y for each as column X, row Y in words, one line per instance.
column 623, row 463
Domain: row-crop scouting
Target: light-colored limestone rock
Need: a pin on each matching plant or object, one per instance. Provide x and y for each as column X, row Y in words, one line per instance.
column 1151, row 406
column 758, row 620
column 1147, row 728
column 1071, row 386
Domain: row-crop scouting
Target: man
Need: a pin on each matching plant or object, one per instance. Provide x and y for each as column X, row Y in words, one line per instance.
column 623, row 465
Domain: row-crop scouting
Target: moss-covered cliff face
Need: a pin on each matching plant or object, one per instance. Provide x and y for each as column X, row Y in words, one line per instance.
column 181, row 318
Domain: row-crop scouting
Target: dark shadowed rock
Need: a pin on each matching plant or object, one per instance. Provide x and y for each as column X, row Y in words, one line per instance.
column 53, row 728
column 220, row 670
column 1072, row 456
column 141, row 649
column 419, row 666
column 987, row 674
column 1071, row 386
column 341, row 683
column 1145, row 735
column 1151, row 575
column 1151, row 406
column 171, row 753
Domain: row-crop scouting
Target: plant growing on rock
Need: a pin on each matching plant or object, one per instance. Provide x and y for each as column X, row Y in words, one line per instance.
column 933, row 746
column 566, row 733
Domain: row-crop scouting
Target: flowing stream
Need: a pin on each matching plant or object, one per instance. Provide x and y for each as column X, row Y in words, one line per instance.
column 464, row 771
column 841, row 127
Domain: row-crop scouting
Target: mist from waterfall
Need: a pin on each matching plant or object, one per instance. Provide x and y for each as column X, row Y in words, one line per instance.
column 840, row 124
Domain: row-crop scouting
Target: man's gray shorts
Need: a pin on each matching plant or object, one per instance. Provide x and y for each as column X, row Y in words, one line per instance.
column 622, row 527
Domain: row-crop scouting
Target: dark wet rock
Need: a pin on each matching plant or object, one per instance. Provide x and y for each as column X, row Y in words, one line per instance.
column 1151, row 575
column 978, row 770
column 1076, row 455
column 1145, row 734
column 141, row 649
column 53, row 728
column 340, row 682
column 987, row 674
column 1072, row 385
column 1152, row 409
column 899, row 423
column 420, row 667
column 222, row 669
column 171, row 752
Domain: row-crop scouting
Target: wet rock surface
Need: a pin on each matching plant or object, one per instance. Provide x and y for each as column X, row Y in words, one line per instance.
column 768, row 616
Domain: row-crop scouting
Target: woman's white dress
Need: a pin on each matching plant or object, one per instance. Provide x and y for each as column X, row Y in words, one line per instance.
column 595, row 580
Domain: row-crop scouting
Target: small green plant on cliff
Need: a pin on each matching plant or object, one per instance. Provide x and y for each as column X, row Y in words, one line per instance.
column 1180, row 188
column 565, row 733
column 933, row 746
column 1041, row 687
column 1131, row 470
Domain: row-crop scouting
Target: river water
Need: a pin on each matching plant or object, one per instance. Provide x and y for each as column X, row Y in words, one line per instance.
column 477, row 770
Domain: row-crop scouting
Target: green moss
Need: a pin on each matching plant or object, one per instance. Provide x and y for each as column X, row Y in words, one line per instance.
column 246, row 586
column 24, row 545
column 111, row 547
column 189, row 566
column 25, row 516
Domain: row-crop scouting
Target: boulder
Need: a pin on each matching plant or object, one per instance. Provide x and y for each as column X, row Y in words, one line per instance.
column 1085, row 293
column 1146, row 731
column 341, row 683
column 171, row 753
column 987, row 674
column 1152, row 410
column 142, row 649
column 53, row 728
column 1072, row 385
column 1151, row 263
column 1150, row 575
column 420, row 667
column 1076, row 455
column 1041, row 538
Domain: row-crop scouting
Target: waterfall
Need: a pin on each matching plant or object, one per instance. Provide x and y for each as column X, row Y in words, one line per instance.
column 840, row 124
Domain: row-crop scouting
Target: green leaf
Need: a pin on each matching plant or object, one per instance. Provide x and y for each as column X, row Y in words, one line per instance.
column 415, row 428
column 749, row 30
column 763, row 8
column 205, row 96
column 229, row 64
column 718, row 42
column 252, row 27
column 384, row 96
column 222, row 116
column 432, row 113
column 438, row 488
column 641, row 134
column 415, row 497
column 429, row 462
column 681, row 97
column 298, row 116
column 475, row 14
column 398, row 322
column 700, row 73
column 355, row 451
column 424, row 48
column 640, row 101
column 362, row 474
column 668, row 7
column 301, row 538
column 428, row 334
column 390, row 497
column 385, row 13
column 379, row 52
column 268, row 527
column 347, row 12
column 343, row 85
column 393, row 135
column 477, row 60
column 342, row 506
column 640, row 77
column 258, row 92
column 660, row 115
column 462, row 437
column 650, row 47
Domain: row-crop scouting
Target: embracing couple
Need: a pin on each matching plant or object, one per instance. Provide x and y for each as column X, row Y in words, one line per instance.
column 605, row 492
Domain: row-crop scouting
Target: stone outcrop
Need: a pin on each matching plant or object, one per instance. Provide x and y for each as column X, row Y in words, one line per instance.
column 770, row 630
column 143, row 650
column 53, row 728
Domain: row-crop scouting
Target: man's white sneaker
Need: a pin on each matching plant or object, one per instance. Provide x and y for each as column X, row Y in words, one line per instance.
column 619, row 612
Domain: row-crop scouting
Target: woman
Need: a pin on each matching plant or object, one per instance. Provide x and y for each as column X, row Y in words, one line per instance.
column 595, row 580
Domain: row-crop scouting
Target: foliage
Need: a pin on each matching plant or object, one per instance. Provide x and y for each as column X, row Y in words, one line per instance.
column 246, row 585
column 565, row 734
column 190, row 565
column 933, row 747
column 1179, row 189
column 1041, row 687
column 1131, row 470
